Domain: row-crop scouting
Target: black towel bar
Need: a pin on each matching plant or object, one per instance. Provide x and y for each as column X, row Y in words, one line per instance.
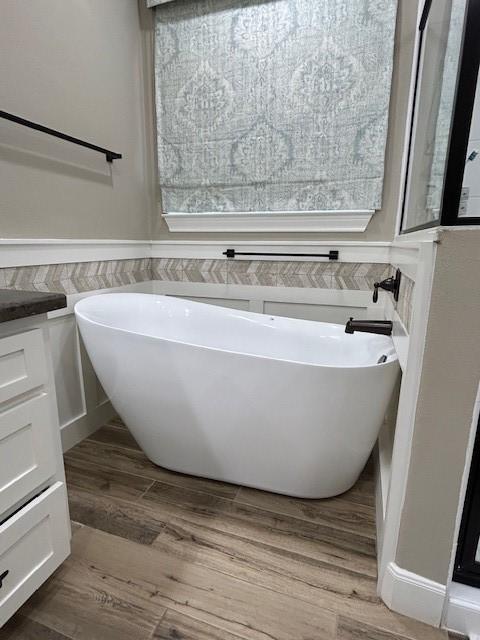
column 110, row 156
column 331, row 255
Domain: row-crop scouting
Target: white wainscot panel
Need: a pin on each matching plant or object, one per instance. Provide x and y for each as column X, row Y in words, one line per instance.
column 318, row 312
column 231, row 303
column 67, row 369
column 101, row 395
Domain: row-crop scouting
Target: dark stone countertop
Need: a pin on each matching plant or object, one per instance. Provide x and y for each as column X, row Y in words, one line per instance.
column 20, row 304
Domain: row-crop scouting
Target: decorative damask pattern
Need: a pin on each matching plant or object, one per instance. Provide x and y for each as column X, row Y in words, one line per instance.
column 259, row 30
column 274, row 105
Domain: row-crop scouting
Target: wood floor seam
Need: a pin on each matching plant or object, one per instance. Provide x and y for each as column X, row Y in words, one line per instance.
column 177, row 479
column 320, row 564
column 146, row 490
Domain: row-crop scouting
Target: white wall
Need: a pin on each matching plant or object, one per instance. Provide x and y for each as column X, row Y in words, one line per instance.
column 77, row 67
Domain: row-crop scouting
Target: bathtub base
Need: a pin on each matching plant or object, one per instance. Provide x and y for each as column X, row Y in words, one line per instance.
column 306, row 493
column 308, row 476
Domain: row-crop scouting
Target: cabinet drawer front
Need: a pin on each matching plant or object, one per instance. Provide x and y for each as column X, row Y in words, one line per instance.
column 22, row 364
column 26, row 449
column 33, row 543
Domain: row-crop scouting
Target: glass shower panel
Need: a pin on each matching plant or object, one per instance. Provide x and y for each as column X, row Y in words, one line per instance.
column 439, row 61
column 470, row 199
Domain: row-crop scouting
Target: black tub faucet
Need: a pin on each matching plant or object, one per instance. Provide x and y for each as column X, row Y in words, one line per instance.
column 382, row 327
column 391, row 284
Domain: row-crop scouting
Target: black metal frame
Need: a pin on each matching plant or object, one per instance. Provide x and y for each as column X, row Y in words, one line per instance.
column 461, row 120
column 466, row 570
column 110, row 156
column 331, row 255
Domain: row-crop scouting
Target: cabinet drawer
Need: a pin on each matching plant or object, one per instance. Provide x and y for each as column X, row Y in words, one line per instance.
column 33, row 543
column 22, row 364
column 26, row 449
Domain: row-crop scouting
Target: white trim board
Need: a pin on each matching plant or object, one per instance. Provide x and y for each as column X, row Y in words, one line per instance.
column 84, row 425
column 257, row 222
column 462, row 610
column 26, row 252
column 407, row 409
column 400, row 335
column 20, row 252
column 349, row 251
column 413, row 595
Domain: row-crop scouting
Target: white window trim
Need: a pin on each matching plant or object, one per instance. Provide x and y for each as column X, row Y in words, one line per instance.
column 255, row 222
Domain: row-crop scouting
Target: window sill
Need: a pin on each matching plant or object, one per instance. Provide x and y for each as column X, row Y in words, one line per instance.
column 337, row 221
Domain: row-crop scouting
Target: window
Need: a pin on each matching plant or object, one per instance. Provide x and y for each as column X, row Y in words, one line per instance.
column 272, row 115
column 442, row 184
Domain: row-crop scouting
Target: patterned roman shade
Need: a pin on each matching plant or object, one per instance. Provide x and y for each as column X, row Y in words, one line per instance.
column 278, row 105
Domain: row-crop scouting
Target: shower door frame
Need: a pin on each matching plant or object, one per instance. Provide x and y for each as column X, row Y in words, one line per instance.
column 466, row 570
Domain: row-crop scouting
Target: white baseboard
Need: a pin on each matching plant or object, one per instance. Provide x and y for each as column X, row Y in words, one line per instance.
column 380, row 500
column 462, row 611
column 80, row 428
column 413, row 595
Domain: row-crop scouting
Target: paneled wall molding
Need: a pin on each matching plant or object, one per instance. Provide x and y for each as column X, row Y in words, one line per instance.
column 82, row 403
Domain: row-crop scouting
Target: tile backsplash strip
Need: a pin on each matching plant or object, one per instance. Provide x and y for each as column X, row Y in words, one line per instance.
column 79, row 277
column 76, row 277
column 272, row 273
column 404, row 304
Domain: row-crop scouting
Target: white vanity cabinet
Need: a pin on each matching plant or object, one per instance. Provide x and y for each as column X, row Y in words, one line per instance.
column 34, row 520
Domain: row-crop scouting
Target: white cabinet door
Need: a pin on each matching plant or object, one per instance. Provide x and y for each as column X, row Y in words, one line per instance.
column 33, row 543
column 22, row 364
column 26, row 449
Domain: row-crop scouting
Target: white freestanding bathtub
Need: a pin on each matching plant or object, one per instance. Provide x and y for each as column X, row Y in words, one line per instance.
column 284, row 405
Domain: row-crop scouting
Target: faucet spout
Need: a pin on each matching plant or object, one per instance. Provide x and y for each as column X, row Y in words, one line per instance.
column 382, row 327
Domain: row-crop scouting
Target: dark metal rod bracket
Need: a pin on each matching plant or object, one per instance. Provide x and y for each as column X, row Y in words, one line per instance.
column 110, row 156
column 331, row 255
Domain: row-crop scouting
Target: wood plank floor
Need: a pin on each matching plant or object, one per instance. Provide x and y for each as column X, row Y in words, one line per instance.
column 161, row 555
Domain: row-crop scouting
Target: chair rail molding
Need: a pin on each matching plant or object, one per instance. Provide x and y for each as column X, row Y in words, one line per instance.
column 23, row 252
column 349, row 251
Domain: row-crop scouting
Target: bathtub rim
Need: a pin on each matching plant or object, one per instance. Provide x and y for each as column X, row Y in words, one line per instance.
column 392, row 357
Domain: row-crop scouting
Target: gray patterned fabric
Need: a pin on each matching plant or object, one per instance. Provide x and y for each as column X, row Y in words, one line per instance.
column 273, row 105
